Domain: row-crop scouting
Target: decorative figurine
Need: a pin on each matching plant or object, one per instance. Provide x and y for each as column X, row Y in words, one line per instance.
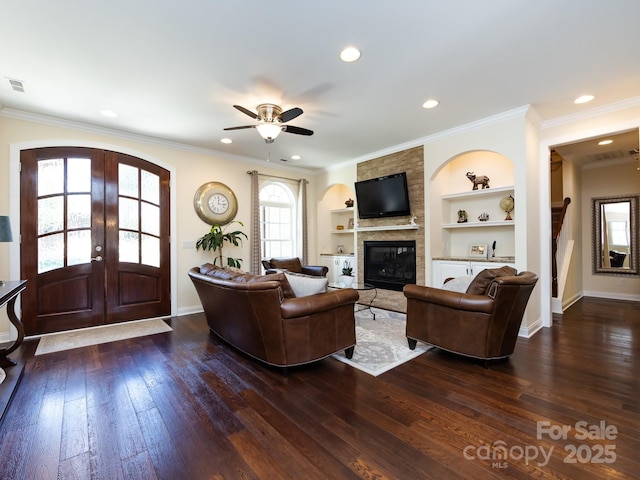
column 349, row 203
column 478, row 180
column 506, row 204
column 462, row 216
column 483, row 217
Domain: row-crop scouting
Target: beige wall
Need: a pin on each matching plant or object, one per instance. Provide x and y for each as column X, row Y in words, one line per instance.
column 190, row 169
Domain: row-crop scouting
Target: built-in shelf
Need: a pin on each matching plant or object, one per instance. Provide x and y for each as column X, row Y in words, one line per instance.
column 478, row 224
column 387, row 227
column 479, row 193
column 346, row 230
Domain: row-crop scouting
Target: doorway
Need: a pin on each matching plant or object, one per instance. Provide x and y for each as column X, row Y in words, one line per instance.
column 94, row 238
column 598, row 166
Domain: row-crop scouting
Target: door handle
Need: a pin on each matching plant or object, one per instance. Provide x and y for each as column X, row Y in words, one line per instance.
column 97, row 259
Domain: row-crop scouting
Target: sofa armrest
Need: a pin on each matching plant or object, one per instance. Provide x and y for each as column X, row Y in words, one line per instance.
column 449, row 299
column 315, row 270
column 320, row 302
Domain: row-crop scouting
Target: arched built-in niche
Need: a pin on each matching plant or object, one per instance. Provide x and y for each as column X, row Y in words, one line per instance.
column 332, row 212
column 451, row 180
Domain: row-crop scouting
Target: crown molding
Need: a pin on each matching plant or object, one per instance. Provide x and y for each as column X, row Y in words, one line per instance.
column 520, row 112
column 93, row 129
column 632, row 102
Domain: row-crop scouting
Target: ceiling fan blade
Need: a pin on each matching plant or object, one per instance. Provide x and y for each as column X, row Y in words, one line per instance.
column 296, row 130
column 290, row 114
column 240, row 128
column 246, row 111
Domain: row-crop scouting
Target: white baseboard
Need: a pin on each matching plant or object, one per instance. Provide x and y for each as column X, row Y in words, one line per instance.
column 613, row 296
column 559, row 306
column 190, row 310
column 570, row 301
column 531, row 330
column 6, row 337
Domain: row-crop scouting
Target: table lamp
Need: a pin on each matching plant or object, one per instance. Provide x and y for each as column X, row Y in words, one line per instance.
column 5, row 233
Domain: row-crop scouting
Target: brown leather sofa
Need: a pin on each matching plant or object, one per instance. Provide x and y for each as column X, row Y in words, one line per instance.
column 260, row 315
column 273, row 265
column 482, row 322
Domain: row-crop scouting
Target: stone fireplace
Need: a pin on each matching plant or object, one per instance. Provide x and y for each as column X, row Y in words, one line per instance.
column 394, row 229
column 390, row 264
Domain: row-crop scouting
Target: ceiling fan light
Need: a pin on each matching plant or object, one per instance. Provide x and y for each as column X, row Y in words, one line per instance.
column 269, row 131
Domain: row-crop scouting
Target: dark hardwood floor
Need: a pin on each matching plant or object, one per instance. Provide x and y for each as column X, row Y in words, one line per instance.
column 183, row 405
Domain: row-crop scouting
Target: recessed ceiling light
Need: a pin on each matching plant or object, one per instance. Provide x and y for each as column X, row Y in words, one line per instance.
column 431, row 103
column 295, row 157
column 584, row 99
column 350, row 54
column 226, row 140
column 109, row 113
column 605, row 142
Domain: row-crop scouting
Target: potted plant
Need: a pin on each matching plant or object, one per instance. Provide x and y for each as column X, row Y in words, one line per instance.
column 347, row 273
column 216, row 237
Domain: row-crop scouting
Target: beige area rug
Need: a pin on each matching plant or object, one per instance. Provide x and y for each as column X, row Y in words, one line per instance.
column 56, row 342
column 381, row 344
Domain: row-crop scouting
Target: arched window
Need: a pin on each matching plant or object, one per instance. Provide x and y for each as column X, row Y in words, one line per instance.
column 277, row 220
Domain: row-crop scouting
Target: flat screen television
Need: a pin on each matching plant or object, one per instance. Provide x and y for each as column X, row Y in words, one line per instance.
column 386, row 196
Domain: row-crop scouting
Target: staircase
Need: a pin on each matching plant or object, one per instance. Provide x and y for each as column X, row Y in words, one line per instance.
column 559, row 243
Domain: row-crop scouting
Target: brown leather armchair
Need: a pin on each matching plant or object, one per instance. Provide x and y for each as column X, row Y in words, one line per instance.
column 293, row 265
column 482, row 322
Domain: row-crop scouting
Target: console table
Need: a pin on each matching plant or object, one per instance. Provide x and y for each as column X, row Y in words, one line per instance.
column 9, row 292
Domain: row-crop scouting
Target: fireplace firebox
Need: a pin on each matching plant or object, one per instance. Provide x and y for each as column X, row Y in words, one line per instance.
column 390, row 264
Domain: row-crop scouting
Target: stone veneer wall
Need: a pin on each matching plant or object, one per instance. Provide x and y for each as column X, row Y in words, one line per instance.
column 412, row 162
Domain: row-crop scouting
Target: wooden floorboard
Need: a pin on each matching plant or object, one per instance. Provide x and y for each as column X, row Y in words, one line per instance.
column 184, row 404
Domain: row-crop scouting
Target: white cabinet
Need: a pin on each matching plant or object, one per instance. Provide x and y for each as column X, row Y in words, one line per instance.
column 443, row 269
column 335, row 263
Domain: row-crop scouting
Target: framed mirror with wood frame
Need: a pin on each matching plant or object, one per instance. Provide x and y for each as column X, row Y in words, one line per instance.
column 615, row 235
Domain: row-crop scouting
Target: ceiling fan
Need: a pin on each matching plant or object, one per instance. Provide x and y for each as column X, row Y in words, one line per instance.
column 271, row 120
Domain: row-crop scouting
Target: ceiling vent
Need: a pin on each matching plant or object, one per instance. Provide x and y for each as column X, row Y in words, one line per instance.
column 17, row 85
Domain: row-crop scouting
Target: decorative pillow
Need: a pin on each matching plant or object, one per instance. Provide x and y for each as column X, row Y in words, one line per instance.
column 482, row 281
column 303, row 285
column 458, row 284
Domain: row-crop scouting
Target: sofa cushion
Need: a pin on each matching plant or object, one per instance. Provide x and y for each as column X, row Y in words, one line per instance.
column 481, row 282
column 304, row 285
column 237, row 275
column 290, row 264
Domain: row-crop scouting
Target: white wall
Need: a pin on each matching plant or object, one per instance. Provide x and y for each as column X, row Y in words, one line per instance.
column 190, row 169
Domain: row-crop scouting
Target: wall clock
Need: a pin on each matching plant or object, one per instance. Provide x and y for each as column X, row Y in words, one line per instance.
column 215, row 203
